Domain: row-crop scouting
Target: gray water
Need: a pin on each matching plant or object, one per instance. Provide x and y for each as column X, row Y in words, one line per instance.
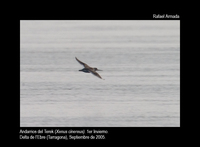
column 141, row 67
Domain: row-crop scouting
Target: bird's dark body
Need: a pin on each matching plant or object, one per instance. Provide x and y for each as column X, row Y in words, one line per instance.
column 84, row 70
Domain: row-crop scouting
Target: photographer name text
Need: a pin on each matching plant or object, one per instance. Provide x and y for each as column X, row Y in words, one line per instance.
column 166, row 16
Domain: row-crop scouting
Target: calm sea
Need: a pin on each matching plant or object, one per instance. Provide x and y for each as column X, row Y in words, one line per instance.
column 141, row 67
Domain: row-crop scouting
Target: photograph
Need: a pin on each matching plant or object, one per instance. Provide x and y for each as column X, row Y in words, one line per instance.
column 100, row 73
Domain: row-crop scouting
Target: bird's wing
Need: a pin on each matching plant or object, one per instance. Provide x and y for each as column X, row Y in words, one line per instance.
column 95, row 74
column 84, row 64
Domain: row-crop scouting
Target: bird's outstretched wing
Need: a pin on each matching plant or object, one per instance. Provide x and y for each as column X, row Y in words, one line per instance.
column 82, row 63
column 95, row 74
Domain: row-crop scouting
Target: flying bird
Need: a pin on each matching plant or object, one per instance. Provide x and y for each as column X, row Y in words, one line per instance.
column 88, row 69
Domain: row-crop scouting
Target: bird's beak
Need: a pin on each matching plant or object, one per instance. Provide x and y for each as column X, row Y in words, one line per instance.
column 99, row 70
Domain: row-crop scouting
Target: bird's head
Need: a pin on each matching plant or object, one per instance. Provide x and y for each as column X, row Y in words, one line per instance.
column 96, row 69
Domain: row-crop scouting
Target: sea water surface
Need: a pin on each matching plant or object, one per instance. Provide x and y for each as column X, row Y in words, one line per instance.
column 141, row 67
